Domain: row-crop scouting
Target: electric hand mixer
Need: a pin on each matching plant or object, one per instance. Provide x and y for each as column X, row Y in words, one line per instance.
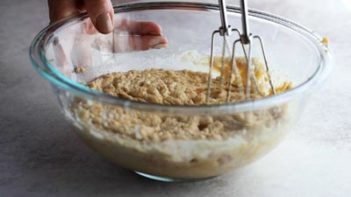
column 245, row 40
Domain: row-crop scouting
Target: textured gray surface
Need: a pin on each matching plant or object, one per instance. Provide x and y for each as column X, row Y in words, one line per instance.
column 41, row 156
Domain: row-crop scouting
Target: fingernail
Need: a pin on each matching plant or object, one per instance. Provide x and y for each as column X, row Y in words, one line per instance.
column 155, row 41
column 104, row 23
column 159, row 46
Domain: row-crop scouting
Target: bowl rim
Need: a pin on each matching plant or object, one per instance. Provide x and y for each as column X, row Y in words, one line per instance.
column 41, row 65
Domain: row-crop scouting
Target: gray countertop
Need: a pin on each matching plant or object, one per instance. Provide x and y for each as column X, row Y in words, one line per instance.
column 40, row 155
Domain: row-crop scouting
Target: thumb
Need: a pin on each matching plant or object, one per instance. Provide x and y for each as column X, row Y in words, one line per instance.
column 101, row 14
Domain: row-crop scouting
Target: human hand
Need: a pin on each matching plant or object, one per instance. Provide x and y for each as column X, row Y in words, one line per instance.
column 129, row 35
column 101, row 15
column 100, row 12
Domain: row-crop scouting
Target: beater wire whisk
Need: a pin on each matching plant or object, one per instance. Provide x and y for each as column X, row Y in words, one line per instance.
column 245, row 40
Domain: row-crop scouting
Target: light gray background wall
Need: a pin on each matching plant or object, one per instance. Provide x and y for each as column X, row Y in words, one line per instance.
column 41, row 156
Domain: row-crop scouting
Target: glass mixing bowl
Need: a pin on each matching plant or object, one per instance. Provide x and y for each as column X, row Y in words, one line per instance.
column 62, row 51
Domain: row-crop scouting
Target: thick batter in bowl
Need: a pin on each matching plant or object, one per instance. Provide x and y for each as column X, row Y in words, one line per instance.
column 174, row 140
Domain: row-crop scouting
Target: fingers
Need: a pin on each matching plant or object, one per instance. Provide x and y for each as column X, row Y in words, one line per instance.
column 139, row 27
column 141, row 35
column 101, row 14
column 123, row 43
column 59, row 9
column 147, row 42
column 99, row 11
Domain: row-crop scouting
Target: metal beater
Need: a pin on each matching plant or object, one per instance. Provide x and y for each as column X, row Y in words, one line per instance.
column 245, row 39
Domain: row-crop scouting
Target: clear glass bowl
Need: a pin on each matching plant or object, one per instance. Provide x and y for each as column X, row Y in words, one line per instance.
column 254, row 127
